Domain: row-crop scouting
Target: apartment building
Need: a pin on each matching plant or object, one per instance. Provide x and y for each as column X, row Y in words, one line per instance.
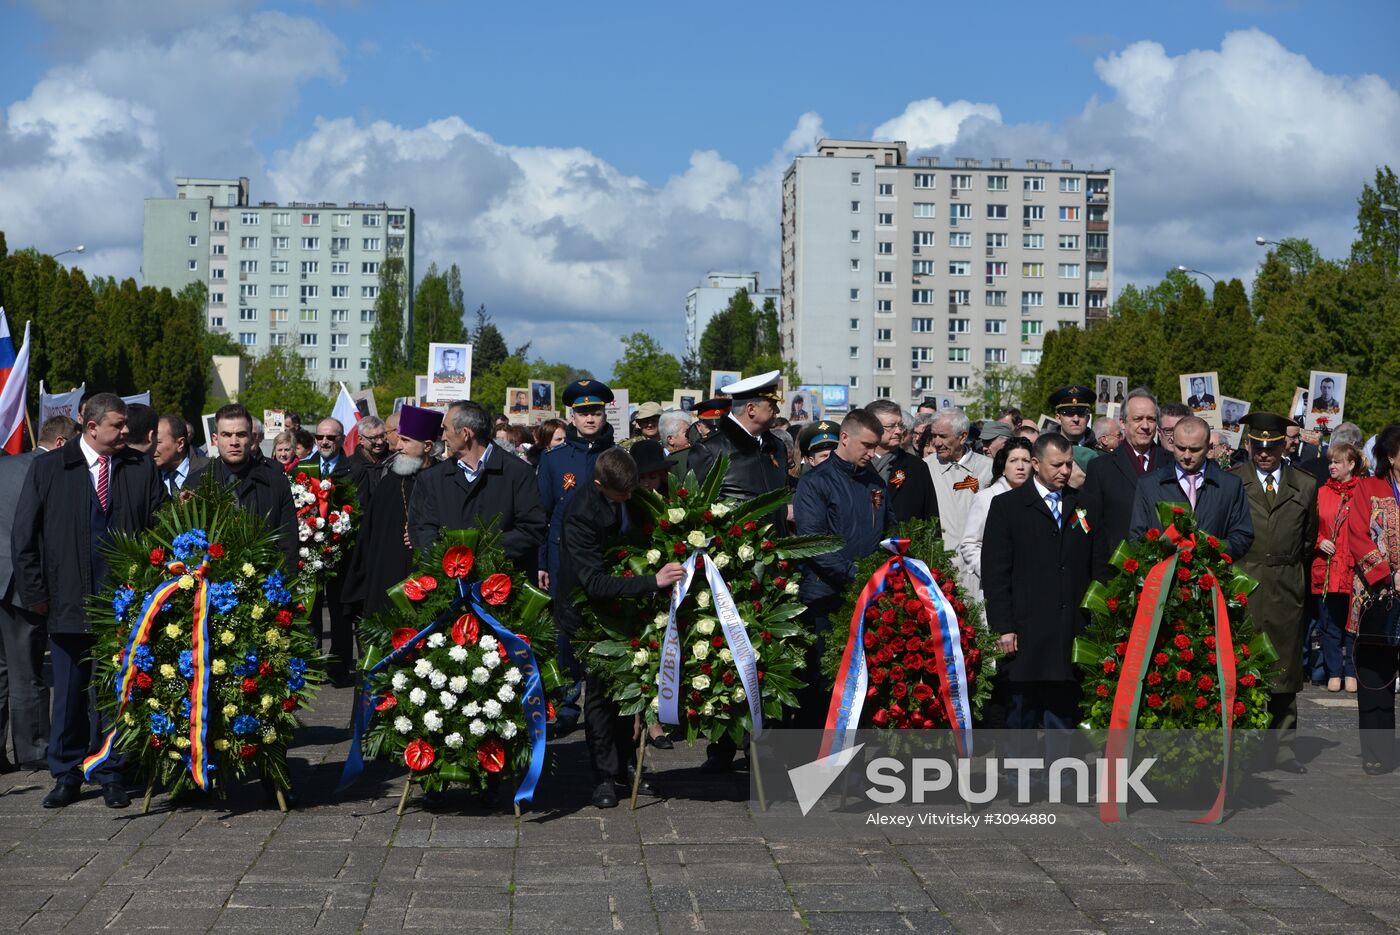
column 904, row 281
column 298, row 275
column 712, row 296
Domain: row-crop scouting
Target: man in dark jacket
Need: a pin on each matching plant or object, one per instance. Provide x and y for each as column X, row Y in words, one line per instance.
column 758, row 462
column 910, row 484
column 260, row 485
column 842, row 496
column 599, row 512
column 371, row 456
column 74, row 499
column 477, row 484
column 1111, row 481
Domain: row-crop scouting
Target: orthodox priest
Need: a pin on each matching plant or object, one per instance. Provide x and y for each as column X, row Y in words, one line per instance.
column 384, row 554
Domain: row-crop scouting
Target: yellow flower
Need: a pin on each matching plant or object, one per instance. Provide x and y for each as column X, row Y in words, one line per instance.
column 186, row 582
column 284, row 643
column 269, row 736
column 221, row 744
column 182, row 742
column 116, row 659
column 220, row 667
column 258, row 612
column 266, row 702
column 152, row 703
column 248, row 570
column 226, row 637
column 167, row 670
column 230, row 710
column 172, row 631
column 271, row 636
column 127, row 719
column 173, row 754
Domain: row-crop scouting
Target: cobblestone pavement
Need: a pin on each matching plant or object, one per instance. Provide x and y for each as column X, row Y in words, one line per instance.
column 697, row 861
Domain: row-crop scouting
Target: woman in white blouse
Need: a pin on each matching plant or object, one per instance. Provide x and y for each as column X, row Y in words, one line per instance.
column 1010, row 469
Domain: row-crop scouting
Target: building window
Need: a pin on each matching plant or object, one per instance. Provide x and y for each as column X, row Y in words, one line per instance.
column 855, row 236
column 216, row 321
column 312, row 363
column 248, row 290
column 959, row 297
column 884, row 334
column 959, row 268
column 1098, row 300
column 340, row 292
column 855, row 265
column 882, row 392
column 340, row 314
column 962, row 183
column 921, row 325
column 855, row 207
column 1032, row 328
column 957, row 383
column 1033, row 241
column 247, row 266
column 1033, row 270
column 369, row 269
column 996, row 183
column 855, row 383
column 364, row 340
column 370, row 220
column 277, row 314
column 886, row 189
column 249, row 218
column 855, row 324
column 277, row 266
column 191, row 265
column 885, row 219
column 925, row 209
column 996, row 297
column 247, row 338
column 309, row 267
column 307, row 314
column 341, row 220
column 959, row 355
column 1069, row 183
column 924, row 267
column 884, row 363
column 996, row 326
column 996, row 268
column 339, row 267
column 1068, row 299
column 1033, row 183
column 247, row 243
column 277, row 339
column 220, row 226
column 855, row 178
column 959, row 212
column 310, row 220
column 885, row 277
column 996, row 241
column 217, row 249
column 925, row 180
column 884, row 305
column 1033, row 212
column 959, row 239
column 194, row 217
column 310, row 292
column 216, row 298
column 996, row 212
column 192, row 240
column 247, row 314
column 994, row 355
column 281, row 217
column 278, row 290
column 923, row 239
column 369, row 292
column 308, row 338
column 1068, row 213
column 922, row 297
column 368, row 316
column 1069, row 270
column 885, row 247
column 959, row 325
column 855, row 352
column 340, row 243
column 281, row 243
column 1032, row 299
column 339, row 340
column 1069, row 241
column 372, row 243
column 311, row 243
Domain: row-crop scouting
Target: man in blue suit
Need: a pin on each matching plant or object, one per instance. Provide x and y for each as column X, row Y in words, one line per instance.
column 1217, row 498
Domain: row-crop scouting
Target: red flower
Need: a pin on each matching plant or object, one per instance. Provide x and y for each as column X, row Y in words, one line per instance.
column 1183, row 574
column 386, row 702
column 758, row 607
column 888, row 616
column 1130, row 565
column 143, row 681
column 465, row 630
column 1112, row 604
column 216, row 550
column 1225, row 557
column 1153, row 535
column 1187, row 555
column 1109, row 667
column 1102, row 690
column 1181, row 641
column 750, row 526
column 491, row 755
column 401, row 636
column 728, row 678
column 899, row 690
column 157, row 556
column 457, row 561
column 1186, row 655
column 1244, row 650
column 769, row 545
column 1241, row 599
column 1210, row 659
column 1209, row 642
column 1182, row 675
column 289, row 704
column 1205, row 683
column 717, row 641
column 665, row 524
column 247, row 750
column 678, row 549
column 692, row 714
column 766, row 636
column 412, row 590
column 880, row 718
column 155, row 743
column 682, row 492
column 1154, row 678
column 912, row 606
column 1179, row 511
column 1248, row 680
column 284, row 618
column 1201, row 703
column 1213, row 542
column 250, row 686
column 264, row 669
column 427, row 583
column 1121, row 649
column 708, row 516
column 706, row 668
column 1206, row 582
column 878, row 676
column 419, row 755
column 1160, row 659
column 735, row 531
column 1184, row 593
column 1154, row 700
column 1239, row 708
column 495, row 589
column 923, row 692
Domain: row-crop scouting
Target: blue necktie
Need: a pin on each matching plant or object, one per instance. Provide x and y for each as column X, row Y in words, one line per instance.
column 1052, row 500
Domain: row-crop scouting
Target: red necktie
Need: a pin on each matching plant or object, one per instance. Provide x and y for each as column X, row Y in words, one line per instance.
column 102, row 495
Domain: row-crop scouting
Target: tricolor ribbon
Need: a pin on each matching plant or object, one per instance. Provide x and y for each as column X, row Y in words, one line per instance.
column 199, row 683
column 736, row 636
column 849, row 693
column 531, row 697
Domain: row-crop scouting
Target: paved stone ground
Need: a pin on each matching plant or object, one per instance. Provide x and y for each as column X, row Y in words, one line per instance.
column 699, row 861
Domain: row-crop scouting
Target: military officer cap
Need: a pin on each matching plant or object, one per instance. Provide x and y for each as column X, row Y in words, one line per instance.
column 1265, row 429
column 763, row 386
column 587, row 394
column 712, row 410
column 1072, row 399
column 818, row 436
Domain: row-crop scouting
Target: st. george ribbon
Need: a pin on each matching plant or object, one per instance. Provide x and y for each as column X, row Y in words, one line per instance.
column 668, row 678
column 852, row 678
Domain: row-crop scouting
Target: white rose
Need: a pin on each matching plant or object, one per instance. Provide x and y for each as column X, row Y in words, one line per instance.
column 480, row 675
column 436, row 640
column 457, row 684
column 508, row 730
column 676, row 515
column 471, row 709
column 739, row 694
column 513, row 676
column 432, row 720
column 722, row 560
column 477, row 727
column 703, row 599
column 453, row 740
column 325, row 485
column 653, row 556
column 506, row 694
column 491, row 708
column 437, row 679
column 491, row 660
column 700, row 651
column 399, row 681
column 656, row 703
column 457, row 654
column 402, row 724
column 790, row 588
column 697, row 538
column 448, row 700
column 708, row 708
column 700, row 682
column 660, row 620
column 488, row 644
column 705, row 626
column 745, row 552
column 418, row 696
column 640, row 657
column 725, row 655
column 719, row 509
column 319, row 537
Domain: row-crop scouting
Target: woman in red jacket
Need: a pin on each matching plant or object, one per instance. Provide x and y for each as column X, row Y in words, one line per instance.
column 1333, row 564
column 1373, row 527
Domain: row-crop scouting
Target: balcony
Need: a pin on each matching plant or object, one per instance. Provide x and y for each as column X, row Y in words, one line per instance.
column 1028, row 309
column 1099, row 284
column 1096, row 253
column 1098, row 198
column 1096, row 227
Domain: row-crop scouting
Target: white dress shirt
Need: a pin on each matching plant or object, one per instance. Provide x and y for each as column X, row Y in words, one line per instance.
column 94, row 468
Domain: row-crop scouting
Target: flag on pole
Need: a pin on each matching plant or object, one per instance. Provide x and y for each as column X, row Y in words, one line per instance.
column 348, row 415
column 14, row 387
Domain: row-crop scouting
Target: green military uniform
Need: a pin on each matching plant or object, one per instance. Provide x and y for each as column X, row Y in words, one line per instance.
column 1072, row 399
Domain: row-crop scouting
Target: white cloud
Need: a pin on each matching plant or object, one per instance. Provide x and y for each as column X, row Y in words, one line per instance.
column 929, row 123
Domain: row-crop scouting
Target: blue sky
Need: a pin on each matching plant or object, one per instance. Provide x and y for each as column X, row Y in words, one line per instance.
column 551, row 134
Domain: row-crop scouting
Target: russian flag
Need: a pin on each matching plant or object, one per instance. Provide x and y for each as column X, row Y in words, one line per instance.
column 348, row 414
column 14, row 386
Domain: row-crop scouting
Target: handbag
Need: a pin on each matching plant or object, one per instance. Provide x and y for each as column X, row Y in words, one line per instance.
column 1380, row 621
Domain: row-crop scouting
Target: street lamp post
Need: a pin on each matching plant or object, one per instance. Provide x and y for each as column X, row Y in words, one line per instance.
column 78, row 249
column 1196, row 272
column 1284, row 248
column 1393, row 211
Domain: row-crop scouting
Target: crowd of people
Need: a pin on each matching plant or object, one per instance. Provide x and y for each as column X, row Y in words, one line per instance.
column 1318, row 525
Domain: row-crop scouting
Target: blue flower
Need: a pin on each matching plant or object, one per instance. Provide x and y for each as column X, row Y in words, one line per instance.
column 251, row 657
column 186, row 665
column 296, row 683
column 243, row 670
column 185, row 707
column 121, row 602
column 143, row 658
column 187, row 544
column 222, row 596
column 296, row 666
column 161, row 723
column 275, row 589
column 245, row 724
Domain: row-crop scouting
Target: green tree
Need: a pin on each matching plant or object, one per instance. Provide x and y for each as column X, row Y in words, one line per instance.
column 1378, row 229
column 645, row 369
column 729, row 339
column 386, row 353
column 278, row 380
column 488, row 346
column 997, row 387
column 437, row 315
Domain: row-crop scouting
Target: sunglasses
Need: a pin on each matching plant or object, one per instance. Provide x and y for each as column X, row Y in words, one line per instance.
column 326, row 438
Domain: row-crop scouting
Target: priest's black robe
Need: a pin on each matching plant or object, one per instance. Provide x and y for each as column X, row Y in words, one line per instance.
column 382, row 558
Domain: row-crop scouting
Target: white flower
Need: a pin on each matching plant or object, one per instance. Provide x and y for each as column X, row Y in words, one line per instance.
column 700, row 682
column 491, row 708
column 506, row 694
column 707, row 708
column 676, row 515
column 640, row 657
column 790, row 588
column 705, row 626
column 661, row 620
column 471, row 709
column 422, row 667
column 477, row 727
column 448, row 700
column 436, row 640
column 739, row 694
column 319, row 537
column 508, row 730
column 490, row 660
column 719, row 509
column 745, row 552
column 700, row 651
column 418, row 696
column 399, row 681
column 703, row 600
column 656, row 703
column 458, row 683
column 432, row 720
column 437, row 679
column 402, row 724
column 513, row 676
column 457, row 654
column 453, row 740
column 488, row 644
column 697, row 538
column 653, row 556
column 725, row 655
column 722, row 560
column 480, row 676
column 325, row 485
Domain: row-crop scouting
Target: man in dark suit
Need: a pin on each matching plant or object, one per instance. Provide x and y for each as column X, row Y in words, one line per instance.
column 24, row 697
column 1035, row 569
column 1200, row 400
column 592, row 518
column 478, row 483
column 910, row 484
column 1216, row 496
column 371, row 456
column 1110, row 482
column 176, row 462
column 74, row 499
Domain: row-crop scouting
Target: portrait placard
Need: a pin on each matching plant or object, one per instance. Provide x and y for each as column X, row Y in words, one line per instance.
column 1328, row 400
column 449, row 372
column 1200, row 393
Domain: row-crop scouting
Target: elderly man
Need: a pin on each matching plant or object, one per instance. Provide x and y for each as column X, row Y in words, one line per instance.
column 674, row 429
column 1108, row 434
column 391, row 428
column 958, row 473
column 372, row 455
column 1110, row 482
column 910, row 484
column 994, row 436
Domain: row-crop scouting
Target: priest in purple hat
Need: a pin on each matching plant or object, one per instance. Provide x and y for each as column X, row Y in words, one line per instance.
column 384, row 554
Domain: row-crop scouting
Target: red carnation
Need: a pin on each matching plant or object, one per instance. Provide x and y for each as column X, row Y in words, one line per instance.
column 1210, row 659
column 1187, row 555
column 419, row 755
column 1213, row 542
column 247, row 750
column 491, row 755
column 1209, row 642
column 157, row 556
column 1248, row 680
column 923, row 692
column 1184, row 593
column 1244, row 650
column 1130, row 565
column 1153, row 535
column 1179, row 511
column 250, row 686
column 1182, row 675
column 1121, row 649
column 1181, row 641
column 495, row 589
column 1183, row 574
column 264, row 669
column 1154, row 678
column 1206, row 582
column 1201, row 703
column 284, row 618
column 1102, row 690
column 1239, row 708
column 143, row 681
column 1241, row 599
column 1112, row 604
column 1154, row 700
column 216, row 550
column 869, row 640
column 401, row 636
column 1109, row 667
column 1160, row 659
column 1205, row 683
column 1186, row 655
column 289, row 704
column 1225, row 557
column 457, row 561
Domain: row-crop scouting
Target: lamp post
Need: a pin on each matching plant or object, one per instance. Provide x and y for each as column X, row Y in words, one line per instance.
column 1196, row 272
column 1394, row 212
column 80, row 248
column 1285, row 248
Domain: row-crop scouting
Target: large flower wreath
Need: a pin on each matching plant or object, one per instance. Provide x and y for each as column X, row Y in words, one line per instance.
column 714, row 670
column 1170, row 647
column 908, row 637
column 197, row 661
column 327, row 518
column 457, row 674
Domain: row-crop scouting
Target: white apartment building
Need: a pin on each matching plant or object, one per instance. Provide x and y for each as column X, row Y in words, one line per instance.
column 712, row 296
column 298, row 275
column 905, row 281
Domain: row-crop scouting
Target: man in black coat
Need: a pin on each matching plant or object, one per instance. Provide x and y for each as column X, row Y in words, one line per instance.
column 371, row 456
column 74, row 499
column 911, row 491
column 758, row 462
column 1035, row 569
column 477, row 484
column 259, row 485
column 593, row 517
column 1111, row 481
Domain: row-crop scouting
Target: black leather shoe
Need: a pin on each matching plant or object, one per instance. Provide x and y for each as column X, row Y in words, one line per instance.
column 721, row 762
column 34, row 766
column 605, row 796
column 114, row 795
column 562, row 727
column 1291, row 765
column 646, row 787
column 660, row 742
column 62, row 795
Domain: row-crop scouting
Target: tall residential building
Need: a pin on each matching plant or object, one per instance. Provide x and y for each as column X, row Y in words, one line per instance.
column 712, row 296
column 297, row 275
column 905, row 281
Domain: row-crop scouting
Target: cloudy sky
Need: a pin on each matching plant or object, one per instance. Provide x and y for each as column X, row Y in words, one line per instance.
column 586, row 170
